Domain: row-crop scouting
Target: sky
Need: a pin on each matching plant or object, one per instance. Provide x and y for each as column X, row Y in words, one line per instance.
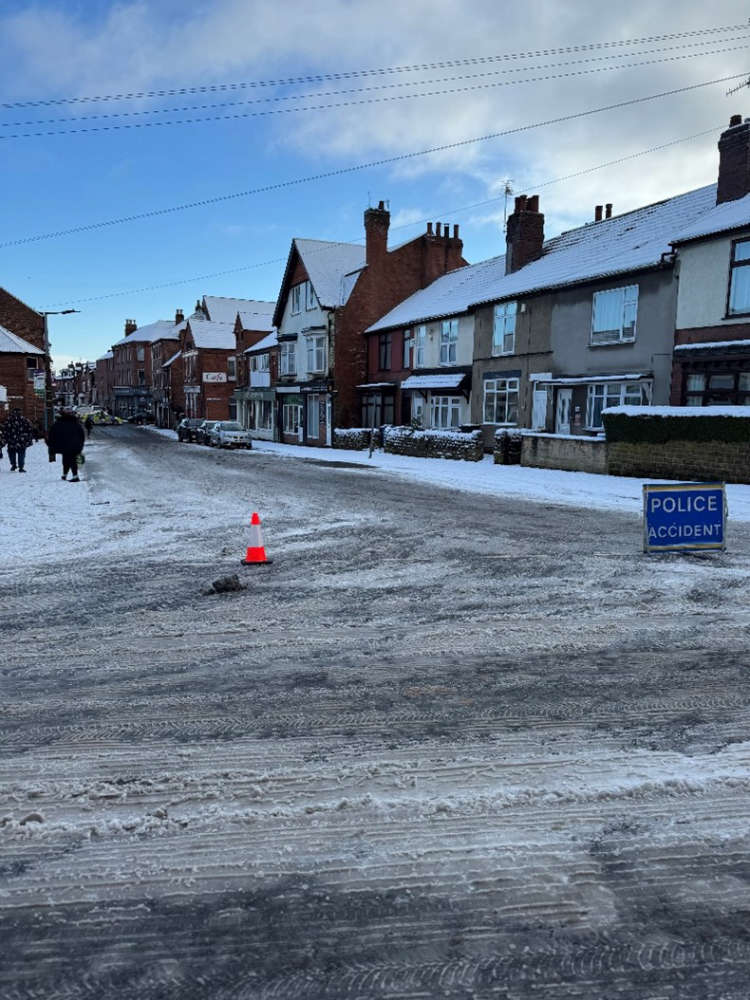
column 275, row 106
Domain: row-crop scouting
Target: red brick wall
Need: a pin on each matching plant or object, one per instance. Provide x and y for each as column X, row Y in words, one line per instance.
column 699, row 335
column 21, row 319
column 379, row 288
column 13, row 375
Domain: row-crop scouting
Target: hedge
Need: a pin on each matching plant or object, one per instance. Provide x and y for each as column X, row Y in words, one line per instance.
column 661, row 430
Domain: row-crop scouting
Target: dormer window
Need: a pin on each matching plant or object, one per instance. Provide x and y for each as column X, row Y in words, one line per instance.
column 614, row 315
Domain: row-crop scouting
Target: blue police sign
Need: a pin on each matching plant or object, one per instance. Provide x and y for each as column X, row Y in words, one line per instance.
column 684, row 516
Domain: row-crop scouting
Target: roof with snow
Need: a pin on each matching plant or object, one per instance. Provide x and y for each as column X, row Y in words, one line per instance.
column 107, row 356
column 720, row 219
column 171, row 360
column 331, row 267
column 11, row 343
column 162, row 329
column 224, row 310
column 264, row 345
column 217, row 335
column 259, row 319
column 618, row 246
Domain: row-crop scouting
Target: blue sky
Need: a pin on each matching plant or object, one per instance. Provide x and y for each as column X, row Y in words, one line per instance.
column 65, row 50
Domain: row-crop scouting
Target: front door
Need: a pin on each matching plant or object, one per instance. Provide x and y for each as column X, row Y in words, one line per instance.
column 539, row 410
column 562, row 417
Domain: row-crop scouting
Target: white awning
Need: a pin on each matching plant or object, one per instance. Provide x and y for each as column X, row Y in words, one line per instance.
column 425, row 382
column 587, row 379
column 378, row 385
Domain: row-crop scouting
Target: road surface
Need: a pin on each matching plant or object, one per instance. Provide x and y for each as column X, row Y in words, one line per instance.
column 445, row 745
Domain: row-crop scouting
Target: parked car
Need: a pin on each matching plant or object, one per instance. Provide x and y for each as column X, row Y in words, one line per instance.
column 203, row 431
column 187, row 428
column 230, row 434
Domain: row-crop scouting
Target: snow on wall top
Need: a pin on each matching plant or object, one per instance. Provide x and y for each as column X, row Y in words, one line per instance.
column 162, row 329
column 680, row 411
column 622, row 244
column 11, row 343
column 224, row 310
column 217, row 335
column 328, row 265
column 704, row 344
column 451, row 381
column 721, row 218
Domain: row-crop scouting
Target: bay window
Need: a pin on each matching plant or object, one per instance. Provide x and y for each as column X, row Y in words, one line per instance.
column 602, row 395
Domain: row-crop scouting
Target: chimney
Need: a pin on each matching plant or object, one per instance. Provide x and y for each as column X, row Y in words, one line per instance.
column 608, row 210
column 598, row 209
column 734, row 161
column 377, row 221
column 455, row 232
column 524, row 236
column 429, row 229
column 130, row 327
column 179, row 317
column 438, row 228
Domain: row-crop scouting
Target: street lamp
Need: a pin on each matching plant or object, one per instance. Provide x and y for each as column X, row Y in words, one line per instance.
column 48, row 402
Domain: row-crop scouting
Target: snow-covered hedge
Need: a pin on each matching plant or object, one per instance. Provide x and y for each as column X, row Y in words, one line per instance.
column 355, row 438
column 467, row 446
column 660, row 424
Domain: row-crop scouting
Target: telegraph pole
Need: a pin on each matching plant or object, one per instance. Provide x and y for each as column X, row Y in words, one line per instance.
column 48, row 400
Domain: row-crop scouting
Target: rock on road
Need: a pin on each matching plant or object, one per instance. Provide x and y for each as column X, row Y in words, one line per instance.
column 447, row 745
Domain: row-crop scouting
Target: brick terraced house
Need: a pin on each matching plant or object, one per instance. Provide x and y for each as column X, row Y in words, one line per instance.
column 25, row 374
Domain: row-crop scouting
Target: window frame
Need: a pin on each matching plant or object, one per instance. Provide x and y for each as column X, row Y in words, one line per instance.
column 449, row 342
column 406, row 346
column 420, row 341
column 316, row 351
column 296, row 293
column 310, row 297
column 445, row 406
column 734, row 266
column 504, row 310
column 286, row 410
column 596, row 338
column 385, row 344
column 607, row 396
column 288, row 358
column 491, row 386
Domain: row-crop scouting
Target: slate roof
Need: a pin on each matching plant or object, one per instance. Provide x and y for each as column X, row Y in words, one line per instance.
column 623, row 244
column 224, row 310
column 258, row 319
column 11, row 343
column 162, row 329
column 217, row 335
column 263, row 345
column 451, row 381
column 722, row 218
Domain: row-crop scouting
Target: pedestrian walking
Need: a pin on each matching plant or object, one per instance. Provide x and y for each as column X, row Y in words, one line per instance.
column 18, row 435
column 66, row 438
column 88, row 424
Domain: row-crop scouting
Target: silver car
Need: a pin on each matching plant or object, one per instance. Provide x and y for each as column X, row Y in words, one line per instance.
column 230, row 434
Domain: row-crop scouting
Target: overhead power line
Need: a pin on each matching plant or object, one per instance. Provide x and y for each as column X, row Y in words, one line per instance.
column 280, row 185
column 279, row 99
column 536, row 186
column 383, row 71
column 346, row 104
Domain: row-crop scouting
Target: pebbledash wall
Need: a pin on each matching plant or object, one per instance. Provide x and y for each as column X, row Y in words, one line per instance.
column 685, row 443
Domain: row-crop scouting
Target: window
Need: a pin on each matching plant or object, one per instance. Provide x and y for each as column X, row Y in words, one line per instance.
column 384, row 352
column 232, row 368
column 421, row 337
column 316, row 353
column 739, row 279
column 31, row 368
column 446, row 411
column 292, row 414
column 712, row 388
column 141, row 376
column 501, row 401
column 377, row 409
column 406, row 360
column 605, row 394
column 140, row 354
column 288, row 358
column 260, row 362
column 310, row 300
column 448, row 339
column 614, row 315
column 504, row 329
column 265, row 414
column 296, row 297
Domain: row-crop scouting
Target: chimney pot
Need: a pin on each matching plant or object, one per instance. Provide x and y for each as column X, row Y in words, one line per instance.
column 735, row 120
column 377, row 221
column 532, row 205
column 455, row 232
column 438, row 228
column 179, row 316
column 598, row 209
column 429, row 229
column 520, row 203
column 608, row 210
column 381, row 206
column 524, row 237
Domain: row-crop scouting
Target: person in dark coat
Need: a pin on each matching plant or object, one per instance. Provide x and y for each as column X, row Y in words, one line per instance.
column 66, row 438
column 19, row 435
column 88, row 423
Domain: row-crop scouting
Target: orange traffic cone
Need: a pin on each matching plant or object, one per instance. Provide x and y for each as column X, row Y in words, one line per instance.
column 256, row 554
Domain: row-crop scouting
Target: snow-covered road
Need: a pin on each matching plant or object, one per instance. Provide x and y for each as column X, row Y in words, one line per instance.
column 448, row 744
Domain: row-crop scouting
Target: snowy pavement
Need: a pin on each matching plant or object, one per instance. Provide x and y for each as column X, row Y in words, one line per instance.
column 446, row 745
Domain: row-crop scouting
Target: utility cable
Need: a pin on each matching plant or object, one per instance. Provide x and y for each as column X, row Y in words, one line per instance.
column 417, row 222
column 354, row 74
column 340, row 171
column 363, row 90
column 347, row 104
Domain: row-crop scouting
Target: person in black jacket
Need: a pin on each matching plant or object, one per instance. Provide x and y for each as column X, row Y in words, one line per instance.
column 18, row 435
column 66, row 438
